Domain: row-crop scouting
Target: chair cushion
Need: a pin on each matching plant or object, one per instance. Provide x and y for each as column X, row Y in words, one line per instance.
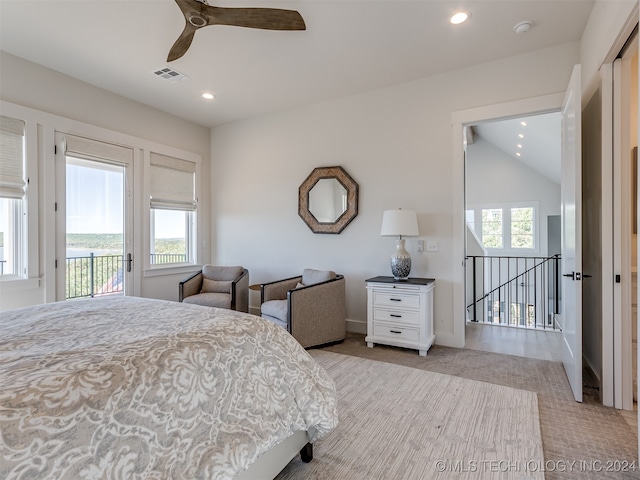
column 276, row 309
column 220, row 300
column 215, row 286
column 277, row 321
column 311, row 277
column 215, row 272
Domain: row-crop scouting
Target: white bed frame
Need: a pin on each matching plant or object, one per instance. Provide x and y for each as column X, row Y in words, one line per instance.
column 270, row 464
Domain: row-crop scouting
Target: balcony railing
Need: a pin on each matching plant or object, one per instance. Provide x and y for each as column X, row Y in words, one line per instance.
column 514, row 291
column 94, row 275
column 103, row 274
column 160, row 258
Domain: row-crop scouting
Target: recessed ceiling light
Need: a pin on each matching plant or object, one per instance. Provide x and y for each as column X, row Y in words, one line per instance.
column 519, row 146
column 520, row 135
column 524, row 124
column 459, row 17
column 517, row 154
column 208, row 96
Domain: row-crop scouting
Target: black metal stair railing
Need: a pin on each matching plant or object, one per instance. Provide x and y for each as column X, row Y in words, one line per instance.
column 515, row 291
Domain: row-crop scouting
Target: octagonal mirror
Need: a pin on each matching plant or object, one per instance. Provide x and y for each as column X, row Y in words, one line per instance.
column 328, row 200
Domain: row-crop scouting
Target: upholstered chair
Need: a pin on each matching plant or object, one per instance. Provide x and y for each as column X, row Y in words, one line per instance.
column 215, row 286
column 310, row 306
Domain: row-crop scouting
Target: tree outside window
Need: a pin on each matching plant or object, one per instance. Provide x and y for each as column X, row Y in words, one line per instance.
column 492, row 228
column 522, row 227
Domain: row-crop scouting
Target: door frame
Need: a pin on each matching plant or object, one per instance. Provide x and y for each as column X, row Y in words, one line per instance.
column 131, row 278
column 614, row 350
column 460, row 120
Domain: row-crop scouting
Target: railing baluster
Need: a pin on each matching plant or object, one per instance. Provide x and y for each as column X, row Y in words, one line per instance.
column 536, row 276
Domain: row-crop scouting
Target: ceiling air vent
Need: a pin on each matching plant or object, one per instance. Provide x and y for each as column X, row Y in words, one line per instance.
column 170, row 74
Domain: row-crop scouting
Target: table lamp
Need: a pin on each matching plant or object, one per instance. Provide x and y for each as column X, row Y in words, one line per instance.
column 401, row 223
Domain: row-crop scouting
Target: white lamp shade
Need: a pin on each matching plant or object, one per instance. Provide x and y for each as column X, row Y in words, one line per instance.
column 400, row 222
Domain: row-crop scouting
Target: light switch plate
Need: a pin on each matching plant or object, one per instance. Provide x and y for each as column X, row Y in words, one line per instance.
column 432, row 245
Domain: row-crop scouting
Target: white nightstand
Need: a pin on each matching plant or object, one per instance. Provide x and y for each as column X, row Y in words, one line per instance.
column 400, row 313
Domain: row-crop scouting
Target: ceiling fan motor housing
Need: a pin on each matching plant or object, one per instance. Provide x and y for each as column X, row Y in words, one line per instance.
column 197, row 20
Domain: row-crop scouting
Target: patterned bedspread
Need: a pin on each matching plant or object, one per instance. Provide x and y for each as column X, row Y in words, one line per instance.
column 146, row 389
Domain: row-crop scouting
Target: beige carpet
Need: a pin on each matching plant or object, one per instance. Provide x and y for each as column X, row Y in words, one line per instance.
column 398, row 423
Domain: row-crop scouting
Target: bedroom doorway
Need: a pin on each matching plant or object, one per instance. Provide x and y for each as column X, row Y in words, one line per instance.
column 526, row 107
column 513, row 242
column 93, row 212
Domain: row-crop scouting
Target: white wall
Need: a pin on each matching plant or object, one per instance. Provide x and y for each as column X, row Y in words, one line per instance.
column 395, row 142
column 602, row 39
column 31, row 85
column 494, row 177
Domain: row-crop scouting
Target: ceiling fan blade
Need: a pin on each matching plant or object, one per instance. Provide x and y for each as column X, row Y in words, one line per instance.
column 198, row 15
column 183, row 43
column 264, row 18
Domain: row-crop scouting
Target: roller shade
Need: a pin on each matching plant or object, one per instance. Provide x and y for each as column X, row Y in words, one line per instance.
column 172, row 183
column 11, row 158
column 88, row 149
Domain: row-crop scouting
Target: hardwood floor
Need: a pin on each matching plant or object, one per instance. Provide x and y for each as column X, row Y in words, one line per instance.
column 539, row 344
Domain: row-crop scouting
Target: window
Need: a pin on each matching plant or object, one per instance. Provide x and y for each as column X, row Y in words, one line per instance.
column 173, row 209
column 522, row 227
column 492, row 228
column 505, row 227
column 12, row 197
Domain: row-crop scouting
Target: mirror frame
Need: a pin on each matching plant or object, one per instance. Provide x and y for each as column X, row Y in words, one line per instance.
column 343, row 220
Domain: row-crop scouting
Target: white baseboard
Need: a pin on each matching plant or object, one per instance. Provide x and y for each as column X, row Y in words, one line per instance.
column 357, row 326
column 448, row 340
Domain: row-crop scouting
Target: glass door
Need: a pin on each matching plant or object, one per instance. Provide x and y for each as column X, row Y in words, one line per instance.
column 94, row 253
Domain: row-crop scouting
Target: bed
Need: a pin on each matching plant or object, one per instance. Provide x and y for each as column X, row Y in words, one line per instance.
column 125, row 387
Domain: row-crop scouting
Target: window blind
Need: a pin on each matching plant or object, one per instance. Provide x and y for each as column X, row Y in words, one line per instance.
column 172, row 183
column 88, row 149
column 11, row 158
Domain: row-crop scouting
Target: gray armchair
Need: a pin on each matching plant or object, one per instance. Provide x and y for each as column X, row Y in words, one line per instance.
column 311, row 306
column 214, row 286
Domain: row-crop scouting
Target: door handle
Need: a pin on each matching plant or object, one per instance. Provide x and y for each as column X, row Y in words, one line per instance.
column 129, row 261
column 576, row 275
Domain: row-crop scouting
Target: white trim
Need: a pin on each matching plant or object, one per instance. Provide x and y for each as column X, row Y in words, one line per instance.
column 195, row 240
column 607, row 285
column 622, row 347
column 506, row 226
column 356, row 326
column 17, row 284
column 30, row 240
column 179, row 268
column 46, row 124
column 459, row 120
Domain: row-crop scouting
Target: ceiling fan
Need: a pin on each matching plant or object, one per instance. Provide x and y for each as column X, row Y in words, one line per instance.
column 198, row 14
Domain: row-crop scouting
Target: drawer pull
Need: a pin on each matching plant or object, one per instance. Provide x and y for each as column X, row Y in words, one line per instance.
column 395, row 331
column 395, row 299
column 395, row 316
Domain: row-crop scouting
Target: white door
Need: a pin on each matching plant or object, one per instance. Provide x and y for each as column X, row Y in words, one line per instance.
column 93, row 218
column 571, row 187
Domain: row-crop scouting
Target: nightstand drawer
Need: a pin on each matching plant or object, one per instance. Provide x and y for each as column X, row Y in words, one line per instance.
column 397, row 316
column 396, row 332
column 396, row 299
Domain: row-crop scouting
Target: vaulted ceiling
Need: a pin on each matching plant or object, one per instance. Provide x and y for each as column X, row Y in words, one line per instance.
column 348, row 47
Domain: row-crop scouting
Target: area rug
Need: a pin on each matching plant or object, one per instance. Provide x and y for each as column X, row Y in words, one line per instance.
column 403, row 423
